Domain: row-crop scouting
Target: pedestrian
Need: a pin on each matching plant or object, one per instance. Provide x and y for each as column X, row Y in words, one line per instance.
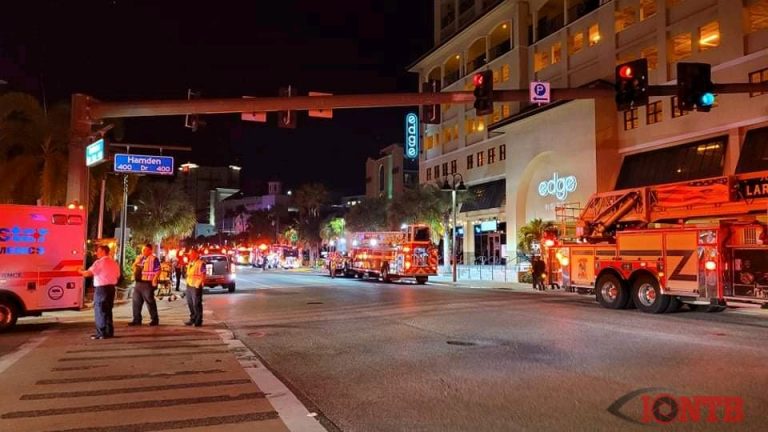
column 105, row 273
column 537, row 272
column 195, row 280
column 178, row 265
column 146, row 269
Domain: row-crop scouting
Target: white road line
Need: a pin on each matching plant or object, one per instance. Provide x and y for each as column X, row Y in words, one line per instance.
column 8, row 360
column 292, row 412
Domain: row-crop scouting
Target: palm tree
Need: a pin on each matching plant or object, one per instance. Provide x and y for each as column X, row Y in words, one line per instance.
column 532, row 232
column 310, row 198
column 368, row 215
column 164, row 212
column 33, row 150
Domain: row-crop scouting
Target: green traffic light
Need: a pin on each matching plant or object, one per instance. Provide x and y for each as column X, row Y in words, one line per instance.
column 707, row 99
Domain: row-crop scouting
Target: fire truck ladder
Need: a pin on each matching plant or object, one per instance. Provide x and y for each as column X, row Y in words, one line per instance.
column 604, row 211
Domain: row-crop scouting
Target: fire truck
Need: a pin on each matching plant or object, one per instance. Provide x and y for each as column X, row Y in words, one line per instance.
column 392, row 255
column 41, row 251
column 699, row 242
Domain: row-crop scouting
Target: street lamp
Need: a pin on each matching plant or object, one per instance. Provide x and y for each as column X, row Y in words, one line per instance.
column 453, row 186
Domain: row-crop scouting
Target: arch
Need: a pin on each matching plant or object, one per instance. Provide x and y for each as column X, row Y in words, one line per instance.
column 550, row 18
column 499, row 40
column 435, row 74
column 452, row 70
column 523, row 186
column 476, row 55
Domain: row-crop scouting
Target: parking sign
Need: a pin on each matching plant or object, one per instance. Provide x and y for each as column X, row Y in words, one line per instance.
column 539, row 92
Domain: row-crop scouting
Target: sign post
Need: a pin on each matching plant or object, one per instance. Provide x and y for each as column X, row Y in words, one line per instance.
column 411, row 136
column 143, row 164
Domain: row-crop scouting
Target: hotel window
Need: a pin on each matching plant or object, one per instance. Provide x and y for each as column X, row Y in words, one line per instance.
column 647, row 9
column 652, row 55
column 505, row 72
column 676, row 111
column 453, row 166
column 505, row 110
column 625, row 17
column 502, row 152
column 540, row 60
column 496, row 76
column 456, row 131
column 470, row 162
column 576, row 43
column 631, row 119
column 427, row 142
column 496, row 113
column 594, row 35
column 709, row 36
column 480, row 159
column 681, row 47
column 654, row 113
column 491, row 155
column 754, row 152
column 429, row 174
column 445, row 168
column 758, row 77
column 758, row 15
column 556, row 50
column 437, row 172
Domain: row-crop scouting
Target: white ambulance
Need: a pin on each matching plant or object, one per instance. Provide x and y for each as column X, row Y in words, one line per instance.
column 41, row 251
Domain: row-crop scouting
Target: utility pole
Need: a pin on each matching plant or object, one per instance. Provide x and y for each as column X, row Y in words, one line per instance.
column 100, row 230
column 123, row 221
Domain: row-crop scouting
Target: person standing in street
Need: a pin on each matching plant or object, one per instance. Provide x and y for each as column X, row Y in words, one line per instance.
column 105, row 273
column 146, row 270
column 195, row 280
column 538, row 270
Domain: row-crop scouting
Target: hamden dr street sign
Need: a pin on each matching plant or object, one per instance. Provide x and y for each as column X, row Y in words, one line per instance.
column 143, row 164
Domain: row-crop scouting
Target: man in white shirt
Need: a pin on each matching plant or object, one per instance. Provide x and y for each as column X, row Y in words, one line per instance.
column 105, row 272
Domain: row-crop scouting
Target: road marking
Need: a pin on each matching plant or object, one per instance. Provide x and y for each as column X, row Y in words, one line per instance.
column 8, row 360
column 292, row 412
column 112, row 391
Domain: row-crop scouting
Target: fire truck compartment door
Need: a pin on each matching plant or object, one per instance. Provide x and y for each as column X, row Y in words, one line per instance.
column 60, row 292
column 681, row 262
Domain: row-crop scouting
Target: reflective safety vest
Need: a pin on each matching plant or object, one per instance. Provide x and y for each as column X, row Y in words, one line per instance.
column 195, row 273
column 150, row 268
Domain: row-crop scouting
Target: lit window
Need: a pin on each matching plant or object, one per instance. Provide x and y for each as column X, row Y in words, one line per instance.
column 624, row 18
column 758, row 15
column 681, row 47
column 631, row 119
column 594, row 35
column 470, row 161
column 496, row 112
column 480, row 159
column 647, row 9
column 505, row 110
column 709, row 36
column 456, row 131
column 576, row 43
column 491, row 155
column 556, row 53
column 540, row 60
column 428, row 142
column 496, row 76
column 676, row 111
column 453, row 166
column 654, row 113
column 502, row 152
column 505, row 72
column 652, row 55
column 758, row 77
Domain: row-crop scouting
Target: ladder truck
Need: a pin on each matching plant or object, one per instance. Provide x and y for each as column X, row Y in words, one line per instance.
column 700, row 242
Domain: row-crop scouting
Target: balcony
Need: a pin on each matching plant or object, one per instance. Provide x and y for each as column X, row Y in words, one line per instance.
column 585, row 7
column 476, row 63
column 500, row 49
column 450, row 78
column 548, row 26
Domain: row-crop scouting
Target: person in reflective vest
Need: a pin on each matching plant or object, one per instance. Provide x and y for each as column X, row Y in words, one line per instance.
column 195, row 281
column 146, row 270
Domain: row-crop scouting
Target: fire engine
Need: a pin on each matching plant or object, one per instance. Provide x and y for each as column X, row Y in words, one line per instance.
column 699, row 242
column 392, row 255
column 41, row 251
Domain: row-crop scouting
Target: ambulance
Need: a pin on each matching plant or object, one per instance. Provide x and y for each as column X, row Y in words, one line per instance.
column 41, row 251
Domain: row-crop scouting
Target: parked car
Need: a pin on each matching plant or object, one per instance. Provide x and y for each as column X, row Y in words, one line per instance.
column 219, row 271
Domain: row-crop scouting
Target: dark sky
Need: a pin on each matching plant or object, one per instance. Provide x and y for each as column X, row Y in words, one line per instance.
column 152, row 49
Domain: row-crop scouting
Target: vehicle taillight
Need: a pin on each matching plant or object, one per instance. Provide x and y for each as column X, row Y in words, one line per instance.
column 710, row 265
column 406, row 249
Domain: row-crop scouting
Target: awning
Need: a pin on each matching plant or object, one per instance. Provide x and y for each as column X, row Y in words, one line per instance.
column 485, row 196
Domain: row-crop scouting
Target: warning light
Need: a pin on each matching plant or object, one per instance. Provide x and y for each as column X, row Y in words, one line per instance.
column 477, row 80
column 626, row 72
column 549, row 242
column 710, row 265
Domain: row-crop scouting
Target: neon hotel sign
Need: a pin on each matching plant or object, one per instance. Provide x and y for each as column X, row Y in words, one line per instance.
column 557, row 186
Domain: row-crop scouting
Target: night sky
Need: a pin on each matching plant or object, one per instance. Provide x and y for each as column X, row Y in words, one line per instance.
column 137, row 50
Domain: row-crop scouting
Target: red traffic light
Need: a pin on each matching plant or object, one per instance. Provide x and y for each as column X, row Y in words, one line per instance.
column 478, row 79
column 626, row 72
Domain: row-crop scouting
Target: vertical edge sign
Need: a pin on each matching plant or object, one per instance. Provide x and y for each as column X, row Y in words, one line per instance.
column 411, row 136
column 94, row 153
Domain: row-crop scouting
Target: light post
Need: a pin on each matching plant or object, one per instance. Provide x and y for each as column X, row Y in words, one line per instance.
column 453, row 186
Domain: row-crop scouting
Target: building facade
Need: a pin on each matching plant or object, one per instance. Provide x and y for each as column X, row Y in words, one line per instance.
column 234, row 211
column 390, row 174
column 207, row 185
column 557, row 155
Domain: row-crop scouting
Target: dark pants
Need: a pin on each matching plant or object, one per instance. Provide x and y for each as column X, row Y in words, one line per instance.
column 195, row 303
column 178, row 277
column 103, row 301
column 143, row 292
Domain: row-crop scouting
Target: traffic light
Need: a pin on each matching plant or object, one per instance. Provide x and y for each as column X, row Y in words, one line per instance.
column 287, row 119
column 632, row 84
column 430, row 114
column 483, row 82
column 694, row 87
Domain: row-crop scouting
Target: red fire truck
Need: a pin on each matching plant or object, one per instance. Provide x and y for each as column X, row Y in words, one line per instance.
column 699, row 242
column 392, row 255
column 41, row 249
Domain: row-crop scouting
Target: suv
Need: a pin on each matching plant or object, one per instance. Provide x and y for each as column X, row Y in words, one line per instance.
column 219, row 270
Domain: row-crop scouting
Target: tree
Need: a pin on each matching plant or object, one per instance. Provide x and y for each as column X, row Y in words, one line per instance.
column 333, row 228
column 369, row 215
column 260, row 225
column 531, row 233
column 310, row 198
column 164, row 211
column 33, row 150
column 422, row 204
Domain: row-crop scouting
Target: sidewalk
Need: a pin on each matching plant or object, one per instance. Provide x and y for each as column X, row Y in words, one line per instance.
column 145, row 378
column 488, row 284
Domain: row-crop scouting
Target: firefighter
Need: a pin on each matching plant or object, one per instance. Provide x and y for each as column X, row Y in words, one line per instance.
column 195, row 280
column 538, row 269
column 146, row 270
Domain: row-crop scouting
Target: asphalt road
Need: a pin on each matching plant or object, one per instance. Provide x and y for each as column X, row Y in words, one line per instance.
column 392, row 357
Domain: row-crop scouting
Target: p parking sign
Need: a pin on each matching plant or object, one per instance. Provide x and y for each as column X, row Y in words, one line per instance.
column 411, row 136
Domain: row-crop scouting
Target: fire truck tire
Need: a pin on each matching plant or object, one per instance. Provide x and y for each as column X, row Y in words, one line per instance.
column 385, row 277
column 674, row 305
column 611, row 293
column 421, row 280
column 648, row 297
column 231, row 288
column 9, row 313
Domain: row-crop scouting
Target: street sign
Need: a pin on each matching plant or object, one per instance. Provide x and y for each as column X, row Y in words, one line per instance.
column 94, row 153
column 539, row 92
column 143, row 164
column 411, row 136
column 320, row 113
column 260, row 117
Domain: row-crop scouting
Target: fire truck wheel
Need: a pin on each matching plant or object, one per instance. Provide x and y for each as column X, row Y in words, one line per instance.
column 611, row 293
column 8, row 314
column 421, row 280
column 231, row 288
column 385, row 274
column 648, row 297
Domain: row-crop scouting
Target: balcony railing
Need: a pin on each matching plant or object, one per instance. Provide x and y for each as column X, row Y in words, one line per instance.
column 476, row 63
column 450, row 78
column 548, row 26
column 585, row 7
column 498, row 50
